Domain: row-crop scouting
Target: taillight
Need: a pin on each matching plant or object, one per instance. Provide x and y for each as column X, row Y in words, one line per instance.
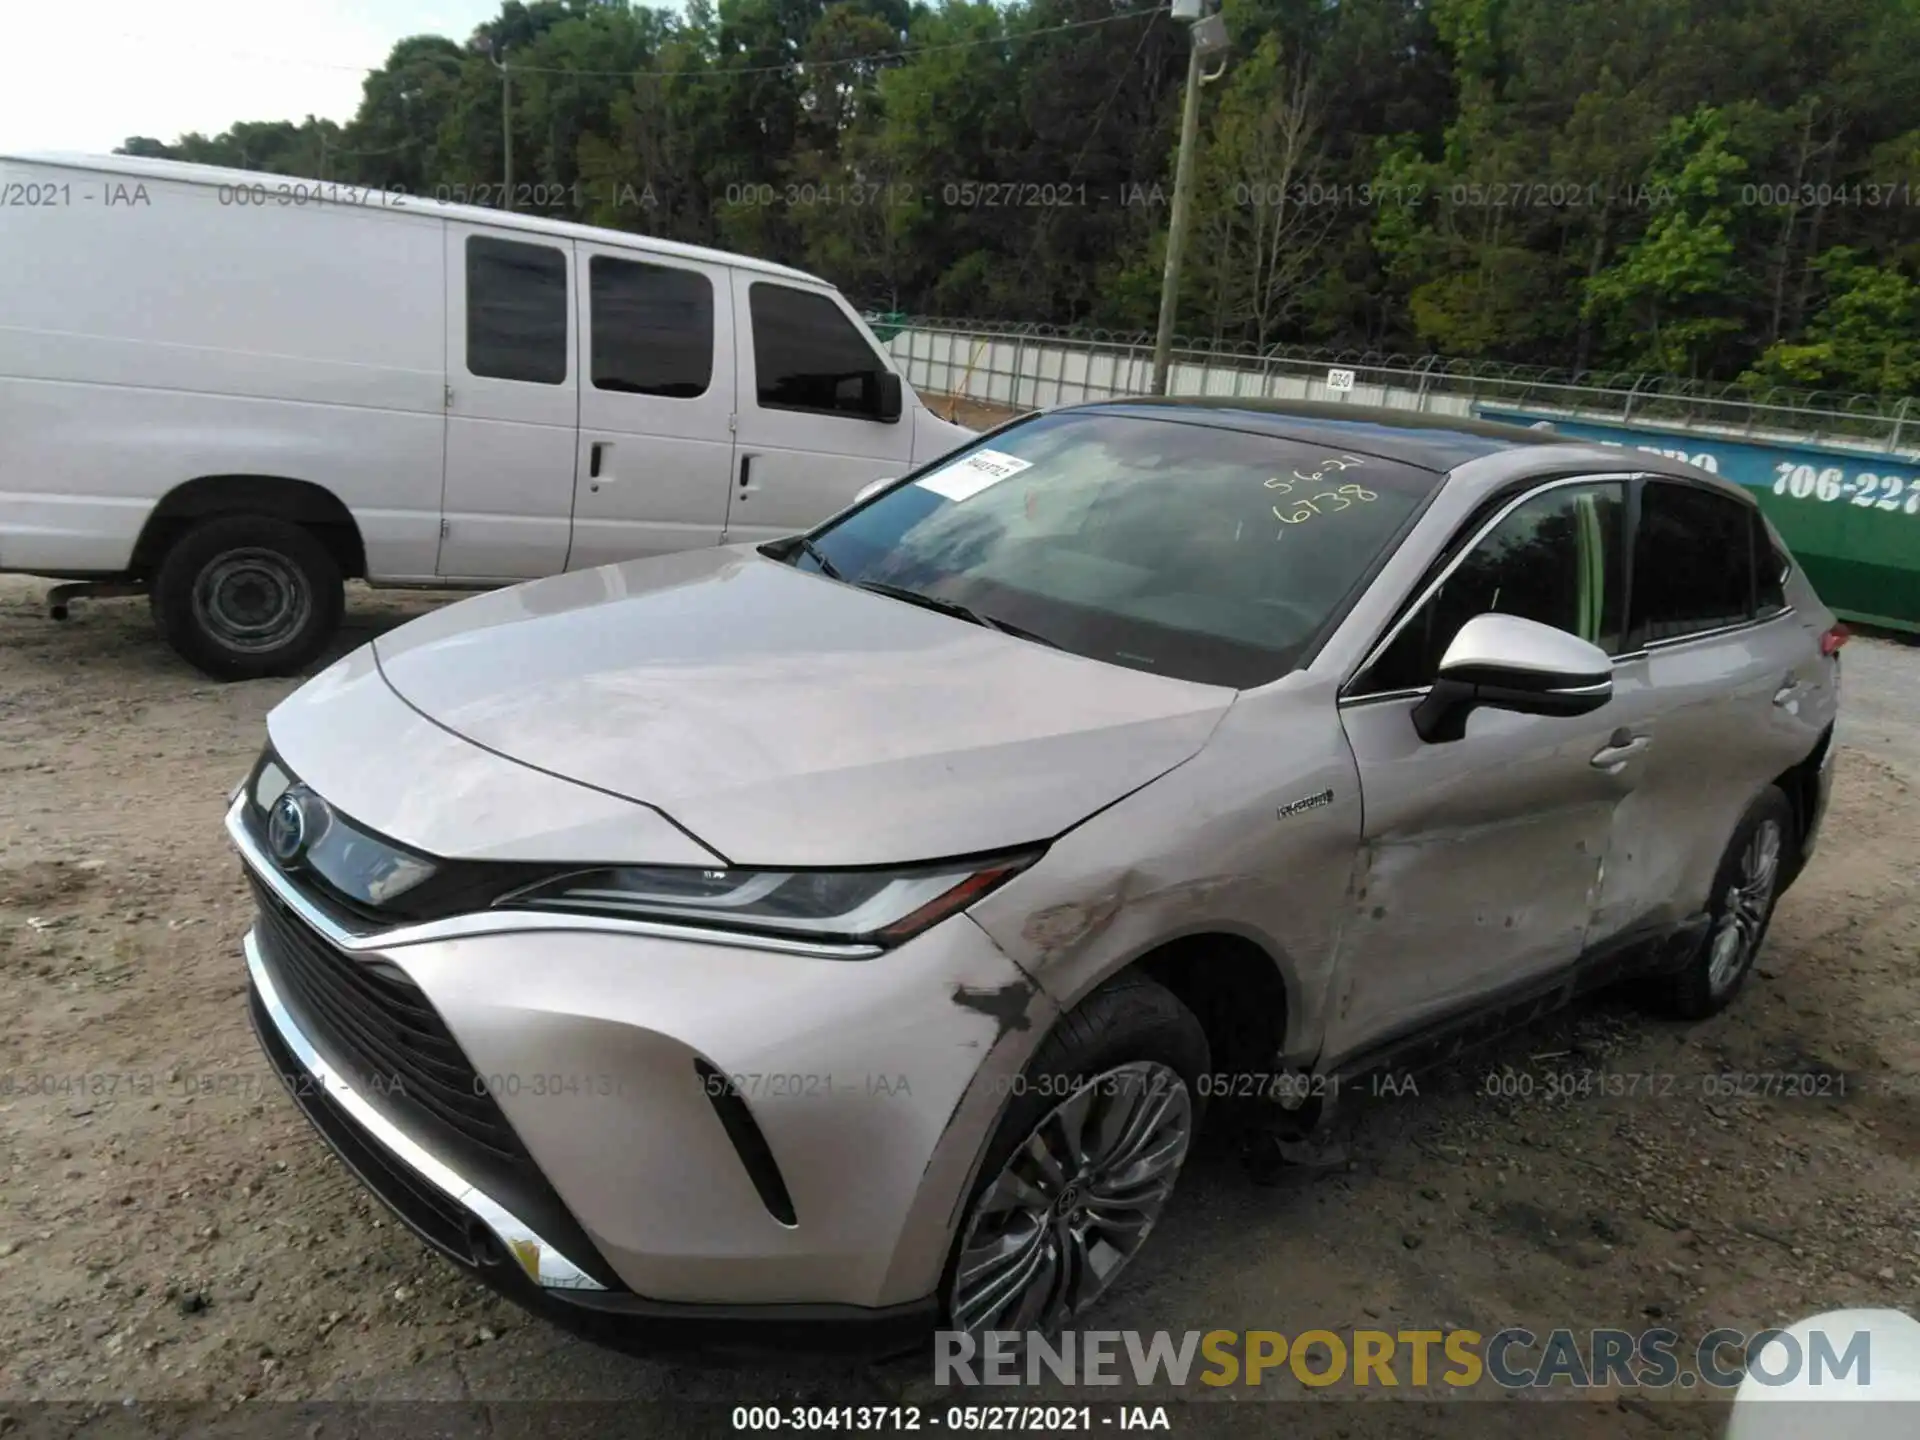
column 1831, row 642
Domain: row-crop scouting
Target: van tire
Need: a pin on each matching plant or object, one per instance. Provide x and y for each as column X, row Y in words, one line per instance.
column 245, row 596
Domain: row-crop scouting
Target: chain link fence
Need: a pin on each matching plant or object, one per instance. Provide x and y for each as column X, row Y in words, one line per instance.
column 1031, row 367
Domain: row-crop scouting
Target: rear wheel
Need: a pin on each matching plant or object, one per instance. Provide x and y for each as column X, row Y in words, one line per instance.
column 243, row 596
column 1738, row 910
column 1082, row 1163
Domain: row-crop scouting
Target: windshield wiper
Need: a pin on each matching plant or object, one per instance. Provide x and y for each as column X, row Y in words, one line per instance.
column 955, row 609
column 819, row 557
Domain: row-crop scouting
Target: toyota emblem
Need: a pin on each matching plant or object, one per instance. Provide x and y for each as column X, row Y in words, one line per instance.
column 287, row 826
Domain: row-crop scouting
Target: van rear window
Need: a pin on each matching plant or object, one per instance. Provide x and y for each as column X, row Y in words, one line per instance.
column 516, row 311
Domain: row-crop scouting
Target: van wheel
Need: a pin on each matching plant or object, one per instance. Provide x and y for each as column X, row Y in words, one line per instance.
column 1738, row 910
column 242, row 596
column 1082, row 1162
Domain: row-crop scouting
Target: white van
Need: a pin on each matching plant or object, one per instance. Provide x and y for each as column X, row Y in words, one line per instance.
column 233, row 390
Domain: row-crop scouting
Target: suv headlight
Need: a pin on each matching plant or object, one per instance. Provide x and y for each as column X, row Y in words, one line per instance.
column 301, row 832
column 876, row 907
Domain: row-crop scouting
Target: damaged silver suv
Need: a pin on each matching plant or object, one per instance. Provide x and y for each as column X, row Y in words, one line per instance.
column 850, row 930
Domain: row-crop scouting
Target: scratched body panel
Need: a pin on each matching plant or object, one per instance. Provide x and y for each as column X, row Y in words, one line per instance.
column 1206, row 850
column 1479, row 864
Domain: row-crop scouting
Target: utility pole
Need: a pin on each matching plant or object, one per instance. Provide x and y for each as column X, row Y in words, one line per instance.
column 506, row 128
column 1177, row 225
column 1205, row 37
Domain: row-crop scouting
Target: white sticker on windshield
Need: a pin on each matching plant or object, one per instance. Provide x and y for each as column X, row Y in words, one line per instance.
column 973, row 474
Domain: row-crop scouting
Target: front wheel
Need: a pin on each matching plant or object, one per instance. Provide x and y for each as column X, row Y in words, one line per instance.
column 1738, row 910
column 243, row 596
column 1083, row 1162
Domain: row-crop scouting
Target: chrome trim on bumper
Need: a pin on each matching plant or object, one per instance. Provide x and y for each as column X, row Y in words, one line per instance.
column 505, row 922
column 543, row 1264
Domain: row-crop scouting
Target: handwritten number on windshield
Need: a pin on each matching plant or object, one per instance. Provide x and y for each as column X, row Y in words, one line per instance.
column 1333, row 464
column 1307, row 507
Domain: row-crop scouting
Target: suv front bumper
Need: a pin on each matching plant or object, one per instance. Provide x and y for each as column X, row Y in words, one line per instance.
column 872, row 1085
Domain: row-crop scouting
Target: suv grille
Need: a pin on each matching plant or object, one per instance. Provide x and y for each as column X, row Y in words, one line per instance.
column 387, row 1040
column 376, row 1025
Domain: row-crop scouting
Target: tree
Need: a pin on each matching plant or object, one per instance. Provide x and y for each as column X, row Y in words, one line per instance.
column 1662, row 305
column 1713, row 187
column 1865, row 337
column 1261, row 218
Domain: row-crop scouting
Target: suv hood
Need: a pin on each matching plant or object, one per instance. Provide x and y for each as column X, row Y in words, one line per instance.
column 786, row 719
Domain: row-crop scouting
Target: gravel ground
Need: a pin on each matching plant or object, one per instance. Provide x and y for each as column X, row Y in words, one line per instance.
column 170, row 1230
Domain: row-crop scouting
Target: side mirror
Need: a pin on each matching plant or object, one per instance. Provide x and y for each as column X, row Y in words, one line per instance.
column 1508, row 663
column 873, row 487
column 890, row 402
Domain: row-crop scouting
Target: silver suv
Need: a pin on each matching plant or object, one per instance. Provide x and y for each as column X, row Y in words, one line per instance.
column 852, row 929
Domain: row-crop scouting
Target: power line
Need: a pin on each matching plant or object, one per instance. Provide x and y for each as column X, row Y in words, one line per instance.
column 1121, row 77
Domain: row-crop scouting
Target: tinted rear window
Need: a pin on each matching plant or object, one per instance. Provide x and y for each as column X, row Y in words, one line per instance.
column 652, row 328
column 1693, row 562
column 516, row 311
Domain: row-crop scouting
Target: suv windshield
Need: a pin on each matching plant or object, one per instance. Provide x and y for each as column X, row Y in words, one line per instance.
column 1169, row 545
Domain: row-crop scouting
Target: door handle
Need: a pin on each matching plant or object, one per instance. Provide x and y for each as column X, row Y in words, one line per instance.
column 1618, row 750
column 746, row 473
column 593, row 461
column 1789, row 689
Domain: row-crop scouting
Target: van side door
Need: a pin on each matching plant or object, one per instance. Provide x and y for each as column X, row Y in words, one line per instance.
column 810, row 433
column 656, row 405
column 513, row 406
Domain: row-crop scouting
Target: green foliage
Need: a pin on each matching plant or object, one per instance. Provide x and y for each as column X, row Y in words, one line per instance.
column 1708, row 187
column 1661, row 303
column 1864, row 338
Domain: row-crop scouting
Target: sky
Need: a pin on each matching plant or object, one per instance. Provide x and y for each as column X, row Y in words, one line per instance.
column 86, row 74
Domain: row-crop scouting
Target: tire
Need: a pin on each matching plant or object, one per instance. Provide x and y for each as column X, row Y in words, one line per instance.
column 1130, row 1049
column 244, row 596
column 1739, row 908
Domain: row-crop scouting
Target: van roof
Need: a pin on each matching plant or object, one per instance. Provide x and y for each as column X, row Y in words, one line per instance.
column 180, row 172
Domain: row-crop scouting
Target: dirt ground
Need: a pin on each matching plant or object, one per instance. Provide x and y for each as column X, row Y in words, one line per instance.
column 171, row 1230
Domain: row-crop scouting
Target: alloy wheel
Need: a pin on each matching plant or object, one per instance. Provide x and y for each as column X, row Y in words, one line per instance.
column 1074, row 1202
column 1744, row 910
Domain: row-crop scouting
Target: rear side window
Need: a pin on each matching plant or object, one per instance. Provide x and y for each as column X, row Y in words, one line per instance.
column 1556, row 557
column 1693, row 562
column 652, row 328
column 516, row 311
column 808, row 356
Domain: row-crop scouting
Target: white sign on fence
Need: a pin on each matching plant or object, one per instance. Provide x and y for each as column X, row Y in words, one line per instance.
column 1339, row 381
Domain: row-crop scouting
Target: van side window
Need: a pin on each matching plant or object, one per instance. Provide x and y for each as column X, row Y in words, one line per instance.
column 652, row 328
column 516, row 311
column 808, row 356
column 1693, row 563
